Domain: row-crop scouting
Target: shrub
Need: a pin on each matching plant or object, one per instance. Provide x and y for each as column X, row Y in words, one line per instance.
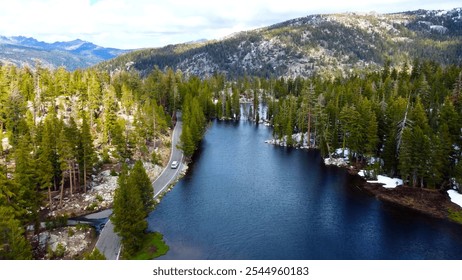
column 99, row 198
column 455, row 216
column 57, row 222
column 94, row 255
column 105, row 156
column 58, row 253
column 60, row 250
column 92, row 206
column 156, row 159
column 82, row 226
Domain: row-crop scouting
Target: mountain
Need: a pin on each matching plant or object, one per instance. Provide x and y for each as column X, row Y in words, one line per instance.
column 75, row 54
column 312, row 44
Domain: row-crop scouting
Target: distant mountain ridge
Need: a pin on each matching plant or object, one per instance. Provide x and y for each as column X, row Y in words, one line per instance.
column 312, row 44
column 20, row 50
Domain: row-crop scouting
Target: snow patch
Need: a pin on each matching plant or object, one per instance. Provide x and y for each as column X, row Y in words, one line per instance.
column 340, row 162
column 296, row 139
column 455, row 197
column 438, row 28
column 387, row 182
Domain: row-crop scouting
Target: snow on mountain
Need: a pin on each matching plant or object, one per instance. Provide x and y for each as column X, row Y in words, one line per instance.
column 20, row 50
column 330, row 43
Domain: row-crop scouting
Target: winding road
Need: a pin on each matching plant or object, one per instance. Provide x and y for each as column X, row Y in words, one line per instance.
column 109, row 242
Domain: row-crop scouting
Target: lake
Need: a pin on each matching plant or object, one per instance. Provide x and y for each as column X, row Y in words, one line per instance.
column 244, row 199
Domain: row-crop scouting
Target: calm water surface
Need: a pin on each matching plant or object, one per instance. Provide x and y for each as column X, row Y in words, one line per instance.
column 244, row 199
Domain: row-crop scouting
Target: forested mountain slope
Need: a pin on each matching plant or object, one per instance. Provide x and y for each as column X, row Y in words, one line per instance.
column 313, row 44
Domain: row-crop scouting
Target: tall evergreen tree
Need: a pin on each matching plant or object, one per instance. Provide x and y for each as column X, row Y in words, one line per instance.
column 87, row 156
column 28, row 191
column 139, row 178
column 13, row 244
column 128, row 214
column 187, row 143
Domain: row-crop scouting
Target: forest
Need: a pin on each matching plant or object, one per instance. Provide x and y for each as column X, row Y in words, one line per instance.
column 403, row 121
column 58, row 127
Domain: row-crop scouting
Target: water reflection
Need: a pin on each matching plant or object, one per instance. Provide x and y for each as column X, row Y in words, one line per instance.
column 244, row 199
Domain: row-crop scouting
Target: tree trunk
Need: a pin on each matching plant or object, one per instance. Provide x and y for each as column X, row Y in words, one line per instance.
column 77, row 177
column 309, row 124
column 328, row 150
column 154, row 126
column 315, row 134
column 49, row 195
column 84, row 176
column 71, row 183
column 61, row 194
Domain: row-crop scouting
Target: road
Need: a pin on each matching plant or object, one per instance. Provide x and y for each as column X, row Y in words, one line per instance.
column 109, row 242
column 168, row 175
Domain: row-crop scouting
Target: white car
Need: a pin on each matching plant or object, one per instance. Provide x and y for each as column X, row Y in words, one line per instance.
column 174, row 164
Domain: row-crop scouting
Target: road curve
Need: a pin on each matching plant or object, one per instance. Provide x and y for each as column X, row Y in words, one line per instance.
column 109, row 242
column 168, row 175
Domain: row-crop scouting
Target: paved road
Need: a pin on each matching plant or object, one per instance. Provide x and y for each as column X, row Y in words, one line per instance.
column 109, row 242
column 168, row 175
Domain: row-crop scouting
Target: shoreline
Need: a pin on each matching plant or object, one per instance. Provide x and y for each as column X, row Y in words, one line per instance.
column 433, row 203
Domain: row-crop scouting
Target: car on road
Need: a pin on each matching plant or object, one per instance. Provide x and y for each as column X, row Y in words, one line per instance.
column 174, row 164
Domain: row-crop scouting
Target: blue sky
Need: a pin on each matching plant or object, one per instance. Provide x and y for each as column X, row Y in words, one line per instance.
column 154, row 23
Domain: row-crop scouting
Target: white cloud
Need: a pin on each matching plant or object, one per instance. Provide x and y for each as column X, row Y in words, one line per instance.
column 147, row 23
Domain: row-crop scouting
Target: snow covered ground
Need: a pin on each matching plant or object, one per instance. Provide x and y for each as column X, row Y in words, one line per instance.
column 387, row 182
column 455, row 197
column 340, row 162
column 296, row 139
column 390, row 183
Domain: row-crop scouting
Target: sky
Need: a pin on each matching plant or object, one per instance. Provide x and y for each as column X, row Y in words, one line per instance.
column 132, row 24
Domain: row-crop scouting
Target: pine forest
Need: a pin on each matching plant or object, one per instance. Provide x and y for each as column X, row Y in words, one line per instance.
column 58, row 128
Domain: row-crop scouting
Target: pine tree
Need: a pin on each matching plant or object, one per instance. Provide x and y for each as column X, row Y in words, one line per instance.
column 352, row 130
column 139, row 178
column 127, row 99
column 94, row 255
column 28, row 192
column 111, row 131
column 87, row 156
column 310, row 97
column 128, row 214
column 65, row 153
column 14, row 245
column 94, row 96
column 6, row 188
column 187, row 143
column 256, row 105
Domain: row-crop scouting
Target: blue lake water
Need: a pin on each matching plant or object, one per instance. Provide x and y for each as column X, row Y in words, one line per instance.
column 244, row 199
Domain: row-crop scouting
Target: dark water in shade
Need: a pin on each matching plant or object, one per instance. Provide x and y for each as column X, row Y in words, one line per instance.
column 244, row 199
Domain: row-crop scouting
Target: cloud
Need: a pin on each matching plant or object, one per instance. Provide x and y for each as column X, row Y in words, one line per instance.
column 147, row 23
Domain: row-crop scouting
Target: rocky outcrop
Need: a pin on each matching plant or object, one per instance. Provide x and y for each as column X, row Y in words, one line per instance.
column 64, row 243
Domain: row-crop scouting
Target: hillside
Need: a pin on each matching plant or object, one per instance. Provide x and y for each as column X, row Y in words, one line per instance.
column 75, row 54
column 316, row 43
